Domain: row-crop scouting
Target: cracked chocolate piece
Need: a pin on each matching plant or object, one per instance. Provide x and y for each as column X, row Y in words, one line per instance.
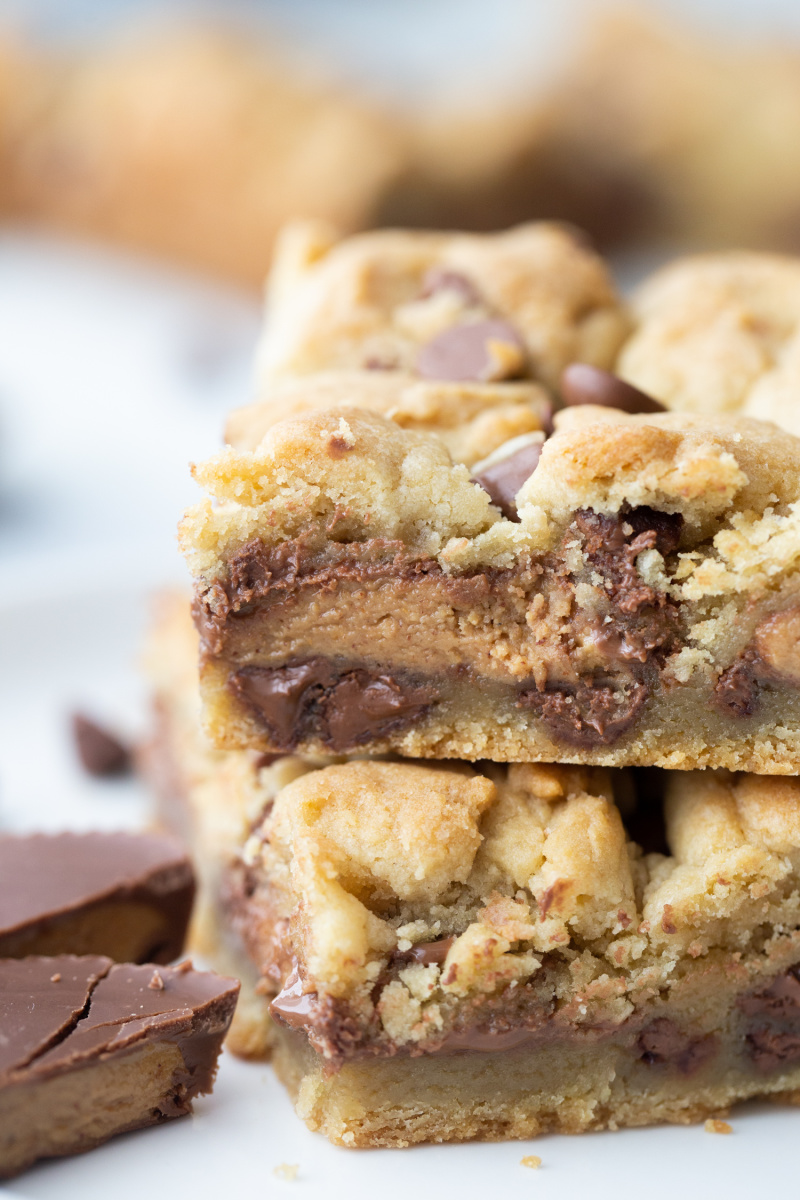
column 125, row 895
column 341, row 707
column 101, row 752
column 484, row 351
column 89, row 1050
column 582, row 383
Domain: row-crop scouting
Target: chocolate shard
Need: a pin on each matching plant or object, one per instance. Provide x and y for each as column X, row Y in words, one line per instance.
column 582, row 383
column 479, row 351
column 90, row 1050
column 502, row 480
column 101, row 752
column 125, row 895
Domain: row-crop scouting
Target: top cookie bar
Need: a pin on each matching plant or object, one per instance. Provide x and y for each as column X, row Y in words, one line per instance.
column 459, row 335
column 356, row 590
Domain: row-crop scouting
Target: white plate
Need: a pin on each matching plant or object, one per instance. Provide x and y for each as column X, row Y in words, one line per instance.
column 100, row 407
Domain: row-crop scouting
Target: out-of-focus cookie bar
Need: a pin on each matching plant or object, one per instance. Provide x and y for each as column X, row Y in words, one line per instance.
column 457, row 954
column 196, row 144
column 719, row 333
column 650, row 130
column 356, row 591
column 454, row 334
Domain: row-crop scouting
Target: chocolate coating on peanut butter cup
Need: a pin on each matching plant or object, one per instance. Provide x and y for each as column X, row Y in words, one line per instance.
column 582, row 383
column 66, row 892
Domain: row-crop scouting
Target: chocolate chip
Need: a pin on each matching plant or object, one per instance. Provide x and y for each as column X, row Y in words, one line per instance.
column 341, row 707
column 100, row 752
column 591, row 713
column 502, row 480
column 481, row 351
column 662, row 1043
column 736, row 692
column 425, row 952
column 443, row 279
column 585, row 384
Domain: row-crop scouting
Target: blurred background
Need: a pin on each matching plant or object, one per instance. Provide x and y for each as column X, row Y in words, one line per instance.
column 149, row 154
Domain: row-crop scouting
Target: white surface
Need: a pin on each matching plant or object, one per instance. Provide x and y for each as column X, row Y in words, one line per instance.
column 101, row 404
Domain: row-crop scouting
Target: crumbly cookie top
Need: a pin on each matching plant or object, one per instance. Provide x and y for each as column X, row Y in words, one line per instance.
column 354, row 475
column 368, row 859
column 383, row 301
column 472, row 419
column 720, row 333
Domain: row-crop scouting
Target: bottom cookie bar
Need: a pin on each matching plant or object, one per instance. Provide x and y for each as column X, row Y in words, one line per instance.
column 456, row 954
column 90, row 1049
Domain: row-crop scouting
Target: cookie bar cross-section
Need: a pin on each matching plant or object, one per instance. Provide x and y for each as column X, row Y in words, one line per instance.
column 455, row 954
column 356, row 591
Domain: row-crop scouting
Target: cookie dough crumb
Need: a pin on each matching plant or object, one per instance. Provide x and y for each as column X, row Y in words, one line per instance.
column 533, row 1160
column 714, row 1125
column 287, row 1171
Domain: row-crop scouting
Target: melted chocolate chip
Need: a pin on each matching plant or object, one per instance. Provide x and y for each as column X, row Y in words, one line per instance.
column 481, row 351
column 598, row 710
column 502, row 480
column 780, row 999
column 736, row 692
column 341, row 707
column 585, row 384
column 100, row 752
column 775, row 1039
column 591, row 713
column 770, row 1048
column 425, row 952
column 662, row 1043
column 444, row 279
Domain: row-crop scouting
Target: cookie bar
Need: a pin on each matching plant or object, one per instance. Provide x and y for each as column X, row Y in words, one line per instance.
column 125, row 895
column 718, row 333
column 355, row 591
column 453, row 334
column 194, row 144
column 90, row 1050
column 457, row 954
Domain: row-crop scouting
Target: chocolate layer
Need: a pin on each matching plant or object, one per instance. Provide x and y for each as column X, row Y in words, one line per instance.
column 120, row 894
column 76, row 1028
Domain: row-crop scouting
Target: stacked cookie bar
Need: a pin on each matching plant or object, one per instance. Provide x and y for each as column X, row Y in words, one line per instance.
column 461, row 595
